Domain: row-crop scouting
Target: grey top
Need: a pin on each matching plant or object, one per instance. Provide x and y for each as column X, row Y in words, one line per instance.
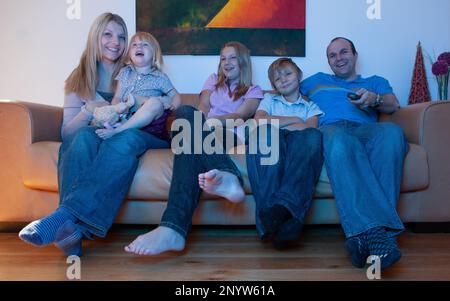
column 154, row 83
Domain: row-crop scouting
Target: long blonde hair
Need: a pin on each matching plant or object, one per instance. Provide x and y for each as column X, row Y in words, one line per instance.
column 84, row 79
column 149, row 38
column 245, row 66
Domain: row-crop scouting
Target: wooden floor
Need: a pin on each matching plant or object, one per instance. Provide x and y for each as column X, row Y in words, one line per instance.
column 225, row 254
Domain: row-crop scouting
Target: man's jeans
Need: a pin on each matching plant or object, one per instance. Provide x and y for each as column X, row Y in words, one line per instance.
column 184, row 191
column 291, row 181
column 94, row 175
column 365, row 164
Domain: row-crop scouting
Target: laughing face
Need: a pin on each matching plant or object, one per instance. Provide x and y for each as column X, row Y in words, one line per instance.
column 112, row 42
column 141, row 53
column 229, row 64
column 341, row 59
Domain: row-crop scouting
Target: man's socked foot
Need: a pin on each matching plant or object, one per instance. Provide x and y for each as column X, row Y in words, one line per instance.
column 383, row 246
column 222, row 183
column 158, row 241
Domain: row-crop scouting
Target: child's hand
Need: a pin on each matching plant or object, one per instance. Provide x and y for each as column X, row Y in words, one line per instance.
column 105, row 133
column 176, row 103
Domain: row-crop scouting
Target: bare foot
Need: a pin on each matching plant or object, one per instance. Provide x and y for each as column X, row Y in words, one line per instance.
column 222, row 183
column 160, row 240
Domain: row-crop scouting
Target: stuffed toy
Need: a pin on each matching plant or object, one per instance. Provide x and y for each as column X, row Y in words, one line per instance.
column 110, row 116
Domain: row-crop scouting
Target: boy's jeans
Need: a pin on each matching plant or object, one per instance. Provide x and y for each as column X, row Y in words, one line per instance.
column 291, row 181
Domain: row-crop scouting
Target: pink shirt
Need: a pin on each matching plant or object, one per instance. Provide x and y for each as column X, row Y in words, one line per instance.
column 221, row 103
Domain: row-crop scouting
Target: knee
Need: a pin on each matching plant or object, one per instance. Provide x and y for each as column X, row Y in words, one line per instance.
column 393, row 137
column 153, row 105
column 85, row 136
column 128, row 142
column 338, row 146
column 391, row 131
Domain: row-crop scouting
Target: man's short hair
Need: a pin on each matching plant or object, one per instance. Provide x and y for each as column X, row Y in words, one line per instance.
column 279, row 64
column 351, row 44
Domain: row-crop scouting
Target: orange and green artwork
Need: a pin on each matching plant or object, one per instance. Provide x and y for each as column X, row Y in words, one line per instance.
column 201, row 27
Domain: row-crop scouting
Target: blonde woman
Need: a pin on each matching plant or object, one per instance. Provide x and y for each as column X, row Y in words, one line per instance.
column 229, row 94
column 94, row 175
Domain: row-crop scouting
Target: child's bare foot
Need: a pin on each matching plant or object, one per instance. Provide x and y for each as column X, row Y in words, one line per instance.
column 160, row 240
column 106, row 133
column 222, row 183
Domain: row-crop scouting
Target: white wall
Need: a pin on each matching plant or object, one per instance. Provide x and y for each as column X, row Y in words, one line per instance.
column 40, row 45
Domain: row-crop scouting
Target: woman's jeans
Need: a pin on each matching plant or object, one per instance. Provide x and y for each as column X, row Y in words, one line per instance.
column 291, row 181
column 365, row 164
column 94, row 175
column 185, row 191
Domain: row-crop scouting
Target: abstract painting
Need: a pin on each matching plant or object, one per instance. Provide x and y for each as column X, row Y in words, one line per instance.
column 202, row 27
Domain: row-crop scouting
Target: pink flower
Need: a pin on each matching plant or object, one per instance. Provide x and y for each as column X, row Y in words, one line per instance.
column 444, row 57
column 440, row 68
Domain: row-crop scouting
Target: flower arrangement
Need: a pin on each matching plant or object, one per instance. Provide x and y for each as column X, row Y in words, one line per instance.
column 441, row 69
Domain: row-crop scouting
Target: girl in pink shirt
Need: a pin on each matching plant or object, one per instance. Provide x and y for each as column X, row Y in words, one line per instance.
column 228, row 95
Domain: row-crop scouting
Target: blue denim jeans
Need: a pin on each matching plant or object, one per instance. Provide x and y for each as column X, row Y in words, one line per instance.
column 365, row 164
column 94, row 175
column 291, row 181
column 184, row 191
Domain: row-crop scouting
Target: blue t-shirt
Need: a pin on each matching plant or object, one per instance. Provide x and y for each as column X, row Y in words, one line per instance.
column 329, row 92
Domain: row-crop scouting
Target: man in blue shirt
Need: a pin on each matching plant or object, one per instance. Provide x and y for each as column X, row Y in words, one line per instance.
column 363, row 158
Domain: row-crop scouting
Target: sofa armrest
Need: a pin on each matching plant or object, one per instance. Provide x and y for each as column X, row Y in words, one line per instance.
column 36, row 122
column 414, row 119
column 21, row 125
column 428, row 124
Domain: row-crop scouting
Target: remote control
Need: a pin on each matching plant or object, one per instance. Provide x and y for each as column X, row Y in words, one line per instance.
column 353, row 96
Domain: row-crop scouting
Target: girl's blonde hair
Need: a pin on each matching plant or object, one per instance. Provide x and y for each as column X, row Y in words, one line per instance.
column 84, row 79
column 149, row 38
column 245, row 66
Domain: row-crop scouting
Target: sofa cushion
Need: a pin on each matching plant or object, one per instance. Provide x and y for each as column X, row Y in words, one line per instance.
column 154, row 173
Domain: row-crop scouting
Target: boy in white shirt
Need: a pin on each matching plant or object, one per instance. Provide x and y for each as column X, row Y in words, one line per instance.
column 283, row 192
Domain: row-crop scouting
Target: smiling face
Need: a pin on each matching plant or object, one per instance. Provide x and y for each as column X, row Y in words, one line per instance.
column 113, row 42
column 286, row 80
column 141, row 53
column 341, row 59
column 229, row 64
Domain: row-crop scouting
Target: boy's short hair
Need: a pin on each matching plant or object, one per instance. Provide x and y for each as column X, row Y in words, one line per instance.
column 279, row 64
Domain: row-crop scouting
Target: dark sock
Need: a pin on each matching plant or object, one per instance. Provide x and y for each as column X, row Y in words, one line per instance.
column 288, row 234
column 42, row 232
column 380, row 244
column 358, row 250
column 69, row 239
column 273, row 217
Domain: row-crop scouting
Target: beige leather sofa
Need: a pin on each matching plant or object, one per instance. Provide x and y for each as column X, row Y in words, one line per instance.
column 30, row 138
